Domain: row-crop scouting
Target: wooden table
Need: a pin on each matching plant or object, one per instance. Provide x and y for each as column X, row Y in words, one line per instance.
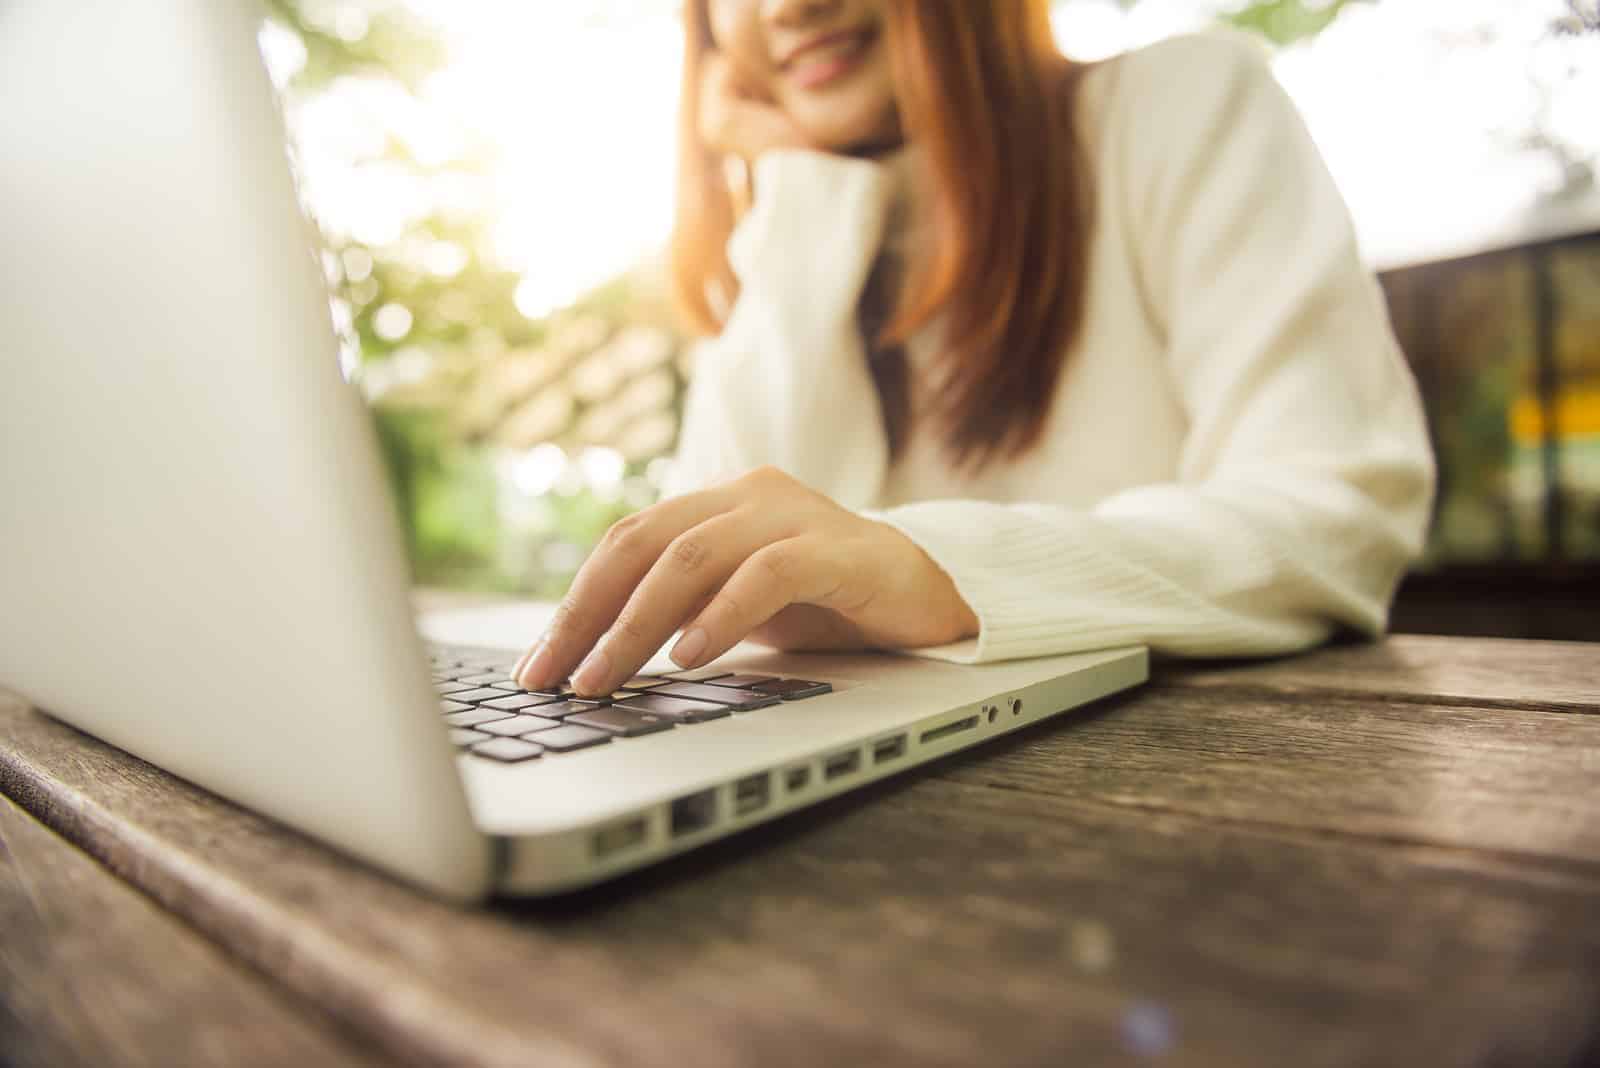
column 1374, row 854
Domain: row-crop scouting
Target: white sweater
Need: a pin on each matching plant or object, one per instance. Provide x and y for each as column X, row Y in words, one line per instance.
column 1235, row 461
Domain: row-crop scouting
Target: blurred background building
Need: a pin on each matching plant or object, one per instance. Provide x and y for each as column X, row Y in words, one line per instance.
column 494, row 183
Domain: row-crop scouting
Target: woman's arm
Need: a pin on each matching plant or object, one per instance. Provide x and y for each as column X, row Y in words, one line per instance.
column 1306, row 475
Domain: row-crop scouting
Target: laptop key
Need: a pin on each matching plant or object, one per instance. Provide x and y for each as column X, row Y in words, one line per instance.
column 517, row 702
column 485, row 679
column 475, row 717
column 485, row 670
column 793, row 689
column 563, row 709
column 561, row 691
column 644, row 682
column 447, row 706
column 680, row 709
column 624, row 721
column 741, row 681
column 473, row 696
column 698, row 675
column 516, row 725
column 568, row 737
column 738, row 700
column 464, row 736
column 507, row 750
column 447, row 688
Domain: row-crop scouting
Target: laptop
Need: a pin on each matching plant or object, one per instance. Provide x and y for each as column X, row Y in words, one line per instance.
column 200, row 561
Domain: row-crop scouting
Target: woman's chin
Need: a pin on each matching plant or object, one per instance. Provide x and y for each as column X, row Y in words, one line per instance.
column 866, row 132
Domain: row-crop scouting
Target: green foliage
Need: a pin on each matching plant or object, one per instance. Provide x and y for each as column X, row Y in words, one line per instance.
column 393, row 42
column 447, row 310
column 1282, row 22
column 445, row 493
column 1285, row 21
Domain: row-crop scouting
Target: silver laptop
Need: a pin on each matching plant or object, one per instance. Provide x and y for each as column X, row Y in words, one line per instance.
column 199, row 560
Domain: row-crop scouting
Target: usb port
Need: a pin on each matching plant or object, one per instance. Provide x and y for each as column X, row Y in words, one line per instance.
column 693, row 813
column 751, row 793
column 887, row 749
column 797, row 779
column 841, row 764
column 618, row 837
column 953, row 727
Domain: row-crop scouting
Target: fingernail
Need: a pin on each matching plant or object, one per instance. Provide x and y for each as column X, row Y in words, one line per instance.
column 522, row 662
column 537, row 667
column 591, row 675
column 687, row 652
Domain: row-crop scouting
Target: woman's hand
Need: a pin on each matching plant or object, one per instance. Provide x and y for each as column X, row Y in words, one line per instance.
column 735, row 120
column 762, row 557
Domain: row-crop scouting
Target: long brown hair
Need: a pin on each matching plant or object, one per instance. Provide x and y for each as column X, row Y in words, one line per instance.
column 1002, row 236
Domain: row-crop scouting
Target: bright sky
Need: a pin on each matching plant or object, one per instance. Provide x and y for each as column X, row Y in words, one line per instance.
column 573, row 106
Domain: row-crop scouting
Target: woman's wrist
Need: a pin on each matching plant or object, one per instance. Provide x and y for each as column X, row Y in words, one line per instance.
column 815, row 218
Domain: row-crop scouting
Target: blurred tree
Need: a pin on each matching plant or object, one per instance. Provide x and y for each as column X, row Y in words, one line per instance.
column 1286, row 21
column 384, row 39
column 421, row 307
column 1280, row 21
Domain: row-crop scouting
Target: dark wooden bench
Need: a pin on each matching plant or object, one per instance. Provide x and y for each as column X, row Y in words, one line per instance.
column 1372, row 854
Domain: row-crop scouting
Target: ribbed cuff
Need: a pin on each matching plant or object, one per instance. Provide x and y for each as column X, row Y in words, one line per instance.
column 817, row 219
column 992, row 562
column 1042, row 586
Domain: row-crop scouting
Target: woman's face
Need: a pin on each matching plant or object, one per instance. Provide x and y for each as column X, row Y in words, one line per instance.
column 824, row 62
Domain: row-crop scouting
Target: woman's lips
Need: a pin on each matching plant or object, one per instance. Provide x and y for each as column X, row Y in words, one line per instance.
column 830, row 59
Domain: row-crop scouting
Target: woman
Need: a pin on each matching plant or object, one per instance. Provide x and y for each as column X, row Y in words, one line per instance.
column 1010, row 357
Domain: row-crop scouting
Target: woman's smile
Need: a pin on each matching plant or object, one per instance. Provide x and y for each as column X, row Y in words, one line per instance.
column 825, row 60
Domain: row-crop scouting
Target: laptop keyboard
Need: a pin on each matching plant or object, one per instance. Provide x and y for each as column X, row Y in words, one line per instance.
column 492, row 717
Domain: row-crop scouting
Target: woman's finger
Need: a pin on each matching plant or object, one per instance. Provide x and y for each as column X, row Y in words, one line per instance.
column 607, row 578
column 736, row 121
column 801, row 570
column 682, row 580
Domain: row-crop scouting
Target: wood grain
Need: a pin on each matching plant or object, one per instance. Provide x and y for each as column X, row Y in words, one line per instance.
column 1480, row 672
column 1524, row 784
column 92, row 973
column 977, row 912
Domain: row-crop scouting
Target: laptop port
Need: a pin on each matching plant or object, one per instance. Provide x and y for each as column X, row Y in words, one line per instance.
column 841, row 764
column 693, row 813
column 608, row 841
column 797, row 779
column 752, row 793
column 887, row 749
column 953, row 727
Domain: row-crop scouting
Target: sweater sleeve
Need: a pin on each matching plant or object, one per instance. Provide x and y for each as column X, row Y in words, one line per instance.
column 786, row 383
column 1305, row 477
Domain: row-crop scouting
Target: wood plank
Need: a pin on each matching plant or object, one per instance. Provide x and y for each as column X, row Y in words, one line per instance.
column 1523, row 784
column 91, row 972
column 935, row 919
column 1482, row 672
